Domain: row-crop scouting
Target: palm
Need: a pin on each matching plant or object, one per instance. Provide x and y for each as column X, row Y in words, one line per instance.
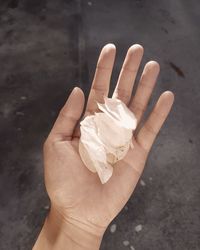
column 81, row 190
column 72, row 188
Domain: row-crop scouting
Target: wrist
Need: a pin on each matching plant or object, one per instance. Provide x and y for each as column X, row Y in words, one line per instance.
column 61, row 233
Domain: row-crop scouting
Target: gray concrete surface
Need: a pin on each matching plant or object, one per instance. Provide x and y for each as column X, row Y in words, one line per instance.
column 46, row 47
column 39, row 59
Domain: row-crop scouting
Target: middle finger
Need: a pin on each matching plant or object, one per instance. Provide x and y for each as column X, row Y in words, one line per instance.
column 123, row 90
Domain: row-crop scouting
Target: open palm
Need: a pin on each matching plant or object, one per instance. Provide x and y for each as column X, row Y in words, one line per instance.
column 75, row 192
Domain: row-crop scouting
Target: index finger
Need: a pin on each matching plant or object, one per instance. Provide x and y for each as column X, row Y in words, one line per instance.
column 101, row 81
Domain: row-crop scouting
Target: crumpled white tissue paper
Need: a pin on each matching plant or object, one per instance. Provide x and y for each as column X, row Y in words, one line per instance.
column 106, row 137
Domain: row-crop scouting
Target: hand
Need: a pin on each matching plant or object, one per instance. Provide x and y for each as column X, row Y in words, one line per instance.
column 78, row 199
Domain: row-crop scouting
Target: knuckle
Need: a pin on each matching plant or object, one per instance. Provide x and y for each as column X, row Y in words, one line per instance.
column 100, row 67
column 150, row 129
column 66, row 116
column 138, row 108
column 99, row 89
column 129, row 70
column 123, row 94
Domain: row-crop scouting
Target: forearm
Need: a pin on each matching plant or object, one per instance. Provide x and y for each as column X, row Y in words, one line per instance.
column 56, row 235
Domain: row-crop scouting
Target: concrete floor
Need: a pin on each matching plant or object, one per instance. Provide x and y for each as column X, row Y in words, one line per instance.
column 47, row 47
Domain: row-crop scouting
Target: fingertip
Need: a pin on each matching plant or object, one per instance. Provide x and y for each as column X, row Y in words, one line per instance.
column 79, row 92
column 109, row 48
column 166, row 100
column 168, row 95
column 153, row 65
column 136, row 47
column 110, row 45
column 107, row 56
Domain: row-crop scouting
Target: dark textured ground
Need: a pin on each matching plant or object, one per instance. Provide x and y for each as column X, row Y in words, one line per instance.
column 47, row 47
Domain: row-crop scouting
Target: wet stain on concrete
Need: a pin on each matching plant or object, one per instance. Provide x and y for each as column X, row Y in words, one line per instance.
column 177, row 69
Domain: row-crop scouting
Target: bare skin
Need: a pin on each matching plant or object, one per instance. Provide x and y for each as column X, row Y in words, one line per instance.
column 81, row 207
